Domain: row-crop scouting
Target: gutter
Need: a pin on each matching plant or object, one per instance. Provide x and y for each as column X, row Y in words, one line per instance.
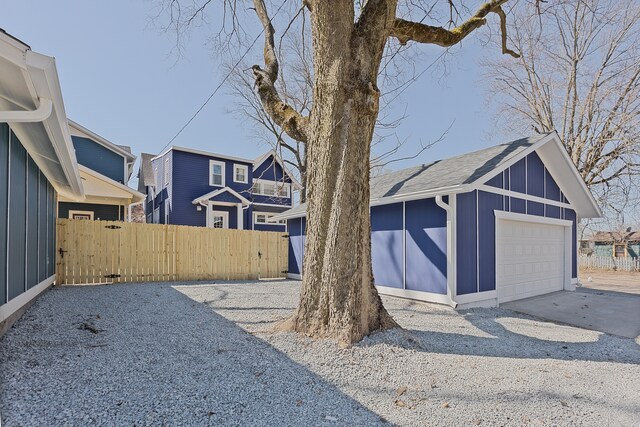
column 40, row 114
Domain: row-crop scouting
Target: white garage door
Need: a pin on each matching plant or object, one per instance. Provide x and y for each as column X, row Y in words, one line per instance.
column 530, row 259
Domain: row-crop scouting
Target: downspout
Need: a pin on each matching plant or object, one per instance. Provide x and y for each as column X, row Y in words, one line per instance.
column 450, row 253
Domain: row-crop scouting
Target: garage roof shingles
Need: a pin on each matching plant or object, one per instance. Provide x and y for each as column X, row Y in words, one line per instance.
column 458, row 170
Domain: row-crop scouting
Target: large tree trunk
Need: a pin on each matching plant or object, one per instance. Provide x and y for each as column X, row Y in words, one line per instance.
column 338, row 298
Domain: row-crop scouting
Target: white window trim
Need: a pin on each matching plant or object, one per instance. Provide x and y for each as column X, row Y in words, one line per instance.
column 223, row 214
column 72, row 213
column 267, row 216
column 222, row 165
column 278, row 184
column 246, row 173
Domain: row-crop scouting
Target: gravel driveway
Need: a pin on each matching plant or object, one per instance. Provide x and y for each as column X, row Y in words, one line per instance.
column 202, row 354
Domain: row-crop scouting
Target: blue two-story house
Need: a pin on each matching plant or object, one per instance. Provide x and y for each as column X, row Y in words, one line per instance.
column 197, row 188
column 105, row 169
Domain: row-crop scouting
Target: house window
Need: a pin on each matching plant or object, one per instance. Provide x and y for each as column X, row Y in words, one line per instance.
column 166, row 172
column 262, row 218
column 620, row 251
column 216, row 173
column 283, row 190
column 268, row 189
column 271, row 188
column 240, row 173
column 81, row 215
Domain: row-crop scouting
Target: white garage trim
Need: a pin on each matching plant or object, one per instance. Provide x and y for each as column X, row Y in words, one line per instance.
column 532, row 219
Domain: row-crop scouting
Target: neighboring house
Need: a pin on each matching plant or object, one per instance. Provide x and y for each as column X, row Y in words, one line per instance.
column 105, row 169
column 479, row 229
column 616, row 244
column 197, row 188
column 37, row 166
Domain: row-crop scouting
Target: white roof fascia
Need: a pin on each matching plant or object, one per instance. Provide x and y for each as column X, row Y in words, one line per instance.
column 592, row 211
column 44, row 80
column 203, row 153
column 214, row 193
column 513, row 160
column 135, row 194
column 102, row 141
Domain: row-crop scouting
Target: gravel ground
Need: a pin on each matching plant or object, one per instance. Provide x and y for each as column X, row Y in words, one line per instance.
column 202, row 354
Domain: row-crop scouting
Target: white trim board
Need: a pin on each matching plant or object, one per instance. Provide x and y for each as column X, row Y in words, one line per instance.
column 416, row 295
column 204, row 153
column 8, row 309
column 522, row 196
column 223, row 168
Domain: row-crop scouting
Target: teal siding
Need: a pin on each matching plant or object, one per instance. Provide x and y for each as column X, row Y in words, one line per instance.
column 99, row 158
column 4, row 199
column 27, row 220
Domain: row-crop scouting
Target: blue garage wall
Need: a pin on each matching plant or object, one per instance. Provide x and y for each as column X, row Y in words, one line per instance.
column 296, row 228
column 487, row 203
column 466, row 243
column 426, row 246
column 570, row 214
column 535, row 175
column 386, row 245
column 528, row 176
column 99, row 158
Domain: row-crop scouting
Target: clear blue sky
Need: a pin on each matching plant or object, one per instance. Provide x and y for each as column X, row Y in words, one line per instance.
column 119, row 80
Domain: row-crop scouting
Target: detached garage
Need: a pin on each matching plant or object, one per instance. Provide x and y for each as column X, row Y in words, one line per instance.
column 479, row 229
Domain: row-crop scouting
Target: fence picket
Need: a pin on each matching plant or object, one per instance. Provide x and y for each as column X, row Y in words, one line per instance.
column 609, row 263
column 94, row 250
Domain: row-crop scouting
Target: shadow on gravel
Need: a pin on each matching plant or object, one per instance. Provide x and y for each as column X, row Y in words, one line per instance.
column 160, row 358
column 505, row 343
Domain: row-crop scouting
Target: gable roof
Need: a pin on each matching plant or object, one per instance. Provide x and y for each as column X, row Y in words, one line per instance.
column 258, row 161
column 454, row 171
column 146, row 177
column 79, row 130
column 464, row 173
column 214, row 193
column 98, row 186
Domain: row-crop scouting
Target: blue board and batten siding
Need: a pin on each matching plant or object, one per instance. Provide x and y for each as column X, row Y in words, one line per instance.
column 27, row 220
column 99, row 158
column 476, row 244
column 408, row 246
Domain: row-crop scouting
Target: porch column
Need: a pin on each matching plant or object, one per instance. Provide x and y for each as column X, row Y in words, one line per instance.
column 240, row 222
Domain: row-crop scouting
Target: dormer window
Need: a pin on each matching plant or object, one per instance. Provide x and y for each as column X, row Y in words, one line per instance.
column 240, row 173
column 216, row 173
column 271, row 188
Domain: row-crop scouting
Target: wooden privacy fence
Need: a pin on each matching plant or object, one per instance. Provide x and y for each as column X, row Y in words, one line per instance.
column 109, row 251
column 610, row 263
